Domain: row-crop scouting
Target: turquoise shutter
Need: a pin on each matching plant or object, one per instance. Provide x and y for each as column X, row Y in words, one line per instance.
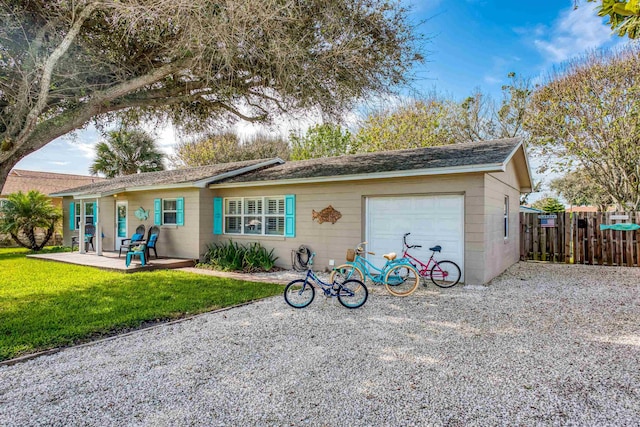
column 95, row 212
column 217, row 215
column 72, row 216
column 180, row 211
column 290, row 215
column 157, row 211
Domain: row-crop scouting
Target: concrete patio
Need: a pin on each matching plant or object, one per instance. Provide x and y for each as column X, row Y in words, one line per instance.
column 110, row 261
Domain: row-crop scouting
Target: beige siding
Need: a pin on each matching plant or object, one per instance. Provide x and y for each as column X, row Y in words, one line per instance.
column 501, row 253
column 330, row 241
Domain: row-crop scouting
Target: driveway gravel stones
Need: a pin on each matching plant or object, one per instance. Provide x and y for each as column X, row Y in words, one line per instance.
column 540, row 345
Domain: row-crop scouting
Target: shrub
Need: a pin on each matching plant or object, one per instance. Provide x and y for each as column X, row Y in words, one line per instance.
column 231, row 256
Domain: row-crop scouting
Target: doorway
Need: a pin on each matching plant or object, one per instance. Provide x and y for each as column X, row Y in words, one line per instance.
column 121, row 222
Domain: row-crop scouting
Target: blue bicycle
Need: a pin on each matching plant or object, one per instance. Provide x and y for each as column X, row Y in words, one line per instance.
column 399, row 276
column 300, row 293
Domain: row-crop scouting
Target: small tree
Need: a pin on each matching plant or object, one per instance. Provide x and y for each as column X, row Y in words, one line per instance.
column 24, row 213
column 549, row 204
column 126, row 152
column 624, row 16
column 325, row 140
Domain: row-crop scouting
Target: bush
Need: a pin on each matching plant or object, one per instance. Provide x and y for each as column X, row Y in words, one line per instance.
column 231, row 256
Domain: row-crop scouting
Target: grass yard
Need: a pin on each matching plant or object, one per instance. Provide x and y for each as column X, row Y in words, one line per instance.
column 46, row 304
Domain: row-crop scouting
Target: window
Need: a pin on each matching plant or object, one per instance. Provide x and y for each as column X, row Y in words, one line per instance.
column 89, row 216
column 169, row 212
column 506, row 217
column 255, row 215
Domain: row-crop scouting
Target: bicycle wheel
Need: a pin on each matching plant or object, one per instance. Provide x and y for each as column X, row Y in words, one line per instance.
column 353, row 294
column 445, row 274
column 299, row 294
column 401, row 280
column 346, row 272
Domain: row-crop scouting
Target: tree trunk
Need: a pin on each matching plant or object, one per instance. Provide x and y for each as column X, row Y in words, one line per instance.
column 18, row 241
column 46, row 238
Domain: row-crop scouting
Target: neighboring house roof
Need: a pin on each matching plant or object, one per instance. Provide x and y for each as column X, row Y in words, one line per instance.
column 528, row 209
column 484, row 156
column 177, row 178
column 45, row 182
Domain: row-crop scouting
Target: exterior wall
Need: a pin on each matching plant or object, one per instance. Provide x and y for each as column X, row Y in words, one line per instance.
column 330, row 241
column 501, row 253
column 174, row 241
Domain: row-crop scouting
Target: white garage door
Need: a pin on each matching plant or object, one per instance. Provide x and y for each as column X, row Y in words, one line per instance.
column 431, row 220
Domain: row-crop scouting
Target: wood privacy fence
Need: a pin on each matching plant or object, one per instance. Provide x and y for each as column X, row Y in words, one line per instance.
column 576, row 238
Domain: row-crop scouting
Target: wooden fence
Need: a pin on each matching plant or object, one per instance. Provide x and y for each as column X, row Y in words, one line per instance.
column 577, row 238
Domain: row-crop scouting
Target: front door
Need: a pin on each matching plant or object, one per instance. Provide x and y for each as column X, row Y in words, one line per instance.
column 121, row 223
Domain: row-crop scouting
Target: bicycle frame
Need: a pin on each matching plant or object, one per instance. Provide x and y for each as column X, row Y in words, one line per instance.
column 366, row 266
column 329, row 289
column 423, row 269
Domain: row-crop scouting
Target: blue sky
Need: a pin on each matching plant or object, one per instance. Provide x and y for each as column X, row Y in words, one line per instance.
column 473, row 44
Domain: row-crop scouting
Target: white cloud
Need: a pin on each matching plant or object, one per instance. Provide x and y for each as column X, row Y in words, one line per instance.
column 573, row 33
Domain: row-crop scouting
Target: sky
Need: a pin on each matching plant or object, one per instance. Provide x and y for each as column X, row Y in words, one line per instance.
column 471, row 44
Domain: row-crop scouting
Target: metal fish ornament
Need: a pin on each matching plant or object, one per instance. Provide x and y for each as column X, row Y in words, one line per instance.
column 328, row 214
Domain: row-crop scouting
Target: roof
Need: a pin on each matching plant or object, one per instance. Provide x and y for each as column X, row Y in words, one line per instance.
column 485, row 156
column 529, row 209
column 187, row 177
column 45, row 182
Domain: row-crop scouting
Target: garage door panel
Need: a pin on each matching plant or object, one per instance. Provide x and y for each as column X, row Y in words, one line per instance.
column 431, row 220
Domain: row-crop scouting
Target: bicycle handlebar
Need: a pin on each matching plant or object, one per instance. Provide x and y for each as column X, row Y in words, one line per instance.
column 404, row 240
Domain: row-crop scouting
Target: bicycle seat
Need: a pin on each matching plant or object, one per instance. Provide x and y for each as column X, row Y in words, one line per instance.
column 436, row 248
column 390, row 256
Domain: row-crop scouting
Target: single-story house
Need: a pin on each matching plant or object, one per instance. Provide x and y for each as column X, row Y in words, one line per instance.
column 44, row 182
column 463, row 197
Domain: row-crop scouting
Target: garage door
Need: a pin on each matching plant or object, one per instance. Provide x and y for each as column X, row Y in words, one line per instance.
column 431, row 220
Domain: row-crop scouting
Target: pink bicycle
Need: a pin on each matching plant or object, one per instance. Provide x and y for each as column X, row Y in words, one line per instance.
column 444, row 274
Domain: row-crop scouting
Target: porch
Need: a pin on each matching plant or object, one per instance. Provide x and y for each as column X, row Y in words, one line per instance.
column 110, row 261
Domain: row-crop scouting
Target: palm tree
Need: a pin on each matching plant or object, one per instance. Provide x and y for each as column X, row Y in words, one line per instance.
column 126, row 152
column 24, row 213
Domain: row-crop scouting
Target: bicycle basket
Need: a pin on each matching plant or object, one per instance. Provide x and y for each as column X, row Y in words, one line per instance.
column 351, row 255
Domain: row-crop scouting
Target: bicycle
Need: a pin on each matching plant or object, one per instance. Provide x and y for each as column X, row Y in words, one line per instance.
column 399, row 276
column 299, row 293
column 443, row 274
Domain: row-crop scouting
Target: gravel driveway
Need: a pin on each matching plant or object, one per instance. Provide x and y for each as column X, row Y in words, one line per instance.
column 541, row 345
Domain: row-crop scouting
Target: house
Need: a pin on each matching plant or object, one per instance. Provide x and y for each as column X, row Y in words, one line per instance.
column 44, row 182
column 463, row 197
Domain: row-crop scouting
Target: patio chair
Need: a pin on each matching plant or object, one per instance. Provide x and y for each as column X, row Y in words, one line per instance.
column 152, row 240
column 89, row 233
column 134, row 240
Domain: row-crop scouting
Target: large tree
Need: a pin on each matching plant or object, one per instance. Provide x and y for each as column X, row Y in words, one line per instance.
column 323, row 140
column 421, row 123
column 577, row 189
column 227, row 147
column 194, row 62
column 588, row 113
column 126, row 152
column 24, row 213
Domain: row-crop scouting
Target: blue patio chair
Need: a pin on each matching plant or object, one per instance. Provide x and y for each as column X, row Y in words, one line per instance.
column 152, row 240
column 135, row 240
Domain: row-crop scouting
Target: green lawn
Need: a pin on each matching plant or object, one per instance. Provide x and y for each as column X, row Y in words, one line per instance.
column 46, row 304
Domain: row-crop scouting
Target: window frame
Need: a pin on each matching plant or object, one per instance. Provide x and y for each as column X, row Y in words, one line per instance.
column 505, row 217
column 165, row 211
column 259, row 213
column 86, row 215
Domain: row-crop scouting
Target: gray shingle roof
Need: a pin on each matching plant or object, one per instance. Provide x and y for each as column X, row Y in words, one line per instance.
column 168, row 177
column 448, row 156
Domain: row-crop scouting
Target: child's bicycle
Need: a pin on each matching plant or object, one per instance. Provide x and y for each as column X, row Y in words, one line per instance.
column 399, row 276
column 300, row 293
column 444, row 274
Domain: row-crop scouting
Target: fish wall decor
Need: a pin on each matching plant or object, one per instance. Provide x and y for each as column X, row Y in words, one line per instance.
column 328, row 214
